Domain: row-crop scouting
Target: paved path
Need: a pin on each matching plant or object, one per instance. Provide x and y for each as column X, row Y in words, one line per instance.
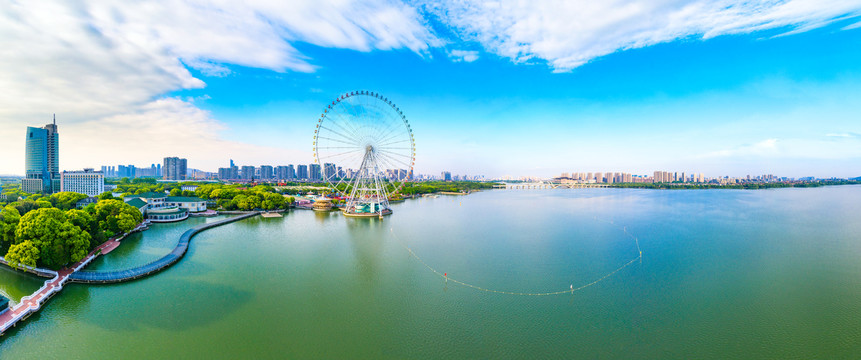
column 32, row 303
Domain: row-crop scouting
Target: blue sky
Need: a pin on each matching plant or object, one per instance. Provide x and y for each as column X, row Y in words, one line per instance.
column 726, row 90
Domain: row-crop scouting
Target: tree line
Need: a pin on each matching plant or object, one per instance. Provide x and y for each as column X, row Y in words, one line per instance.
column 236, row 197
column 49, row 231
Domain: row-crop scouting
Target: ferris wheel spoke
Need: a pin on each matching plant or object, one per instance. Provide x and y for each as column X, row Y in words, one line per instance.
column 393, row 142
column 346, row 123
column 346, row 138
column 395, row 153
column 351, row 134
column 399, row 182
column 393, row 161
column 394, row 135
column 343, row 153
column 337, row 140
column 392, row 128
column 345, row 133
column 337, row 147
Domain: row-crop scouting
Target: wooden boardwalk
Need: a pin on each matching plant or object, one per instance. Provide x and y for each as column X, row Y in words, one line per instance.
column 109, row 277
column 32, row 303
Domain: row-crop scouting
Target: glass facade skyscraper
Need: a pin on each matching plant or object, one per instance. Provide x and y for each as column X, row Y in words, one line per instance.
column 42, row 160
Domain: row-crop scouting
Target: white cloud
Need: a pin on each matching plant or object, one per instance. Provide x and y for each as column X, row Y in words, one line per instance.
column 792, row 149
column 767, row 147
column 842, row 135
column 570, row 33
column 463, row 55
column 109, row 62
column 164, row 127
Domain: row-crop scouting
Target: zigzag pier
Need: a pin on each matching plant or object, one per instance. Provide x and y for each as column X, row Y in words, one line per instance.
column 31, row 304
column 110, row 277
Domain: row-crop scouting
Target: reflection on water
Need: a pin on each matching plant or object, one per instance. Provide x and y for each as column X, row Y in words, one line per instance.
column 16, row 284
column 725, row 274
column 326, row 216
column 367, row 237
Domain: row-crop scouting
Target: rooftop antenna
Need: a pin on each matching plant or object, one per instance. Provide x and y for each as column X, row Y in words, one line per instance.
column 55, row 119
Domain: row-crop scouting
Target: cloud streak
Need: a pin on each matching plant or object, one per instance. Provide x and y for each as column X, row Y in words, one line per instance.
column 568, row 34
column 112, row 62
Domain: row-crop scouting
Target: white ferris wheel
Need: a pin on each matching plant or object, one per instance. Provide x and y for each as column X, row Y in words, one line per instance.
column 365, row 149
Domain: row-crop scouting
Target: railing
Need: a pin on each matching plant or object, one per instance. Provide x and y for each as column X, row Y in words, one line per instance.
column 31, row 308
column 33, row 270
column 107, row 277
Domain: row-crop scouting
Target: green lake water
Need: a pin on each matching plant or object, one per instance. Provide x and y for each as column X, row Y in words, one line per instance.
column 724, row 274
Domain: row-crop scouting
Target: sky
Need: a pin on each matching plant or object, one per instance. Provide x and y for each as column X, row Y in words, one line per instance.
column 517, row 88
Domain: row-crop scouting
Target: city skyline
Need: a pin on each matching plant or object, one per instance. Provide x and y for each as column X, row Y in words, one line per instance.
column 731, row 90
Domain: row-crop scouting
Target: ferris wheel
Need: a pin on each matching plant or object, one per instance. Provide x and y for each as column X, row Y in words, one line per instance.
column 366, row 151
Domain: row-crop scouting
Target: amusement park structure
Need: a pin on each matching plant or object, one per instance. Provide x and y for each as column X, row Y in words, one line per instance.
column 371, row 141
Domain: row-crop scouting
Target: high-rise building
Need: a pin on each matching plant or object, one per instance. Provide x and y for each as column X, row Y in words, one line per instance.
column 445, row 176
column 42, row 160
column 266, row 172
column 314, row 173
column 175, row 168
column 329, row 171
column 89, row 182
column 247, row 172
column 126, row 171
column 224, row 174
column 285, row 172
column 281, row 172
column 302, row 172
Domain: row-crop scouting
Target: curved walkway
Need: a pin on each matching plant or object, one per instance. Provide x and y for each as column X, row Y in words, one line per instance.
column 108, row 277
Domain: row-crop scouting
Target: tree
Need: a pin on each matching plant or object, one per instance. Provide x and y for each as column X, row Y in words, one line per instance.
column 108, row 216
column 58, row 240
column 107, row 195
column 175, row 192
column 26, row 253
column 9, row 219
column 87, row 222
column 66, row 200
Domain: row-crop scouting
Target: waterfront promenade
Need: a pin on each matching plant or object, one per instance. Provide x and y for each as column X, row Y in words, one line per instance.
column 32, row 303
column 108, row 277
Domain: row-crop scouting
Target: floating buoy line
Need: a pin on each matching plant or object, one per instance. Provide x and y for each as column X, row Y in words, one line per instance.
column 571, row 289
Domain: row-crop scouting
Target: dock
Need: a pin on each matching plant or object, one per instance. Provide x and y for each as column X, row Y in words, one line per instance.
column 30, row 304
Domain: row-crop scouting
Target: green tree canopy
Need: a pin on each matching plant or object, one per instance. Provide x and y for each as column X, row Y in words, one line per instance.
column 58, row 240
column 25, row 253
column 66, row 200
column 9, row 219
column 108, row 215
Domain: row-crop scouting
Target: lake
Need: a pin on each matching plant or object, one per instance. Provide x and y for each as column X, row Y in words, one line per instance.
column 724, row 274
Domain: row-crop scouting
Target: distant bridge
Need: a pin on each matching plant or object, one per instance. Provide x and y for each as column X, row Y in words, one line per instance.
column 549, row 185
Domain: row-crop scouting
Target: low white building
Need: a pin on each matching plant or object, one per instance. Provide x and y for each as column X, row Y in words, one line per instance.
column 88, row 182
column 158, row 207
column 192, row 204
